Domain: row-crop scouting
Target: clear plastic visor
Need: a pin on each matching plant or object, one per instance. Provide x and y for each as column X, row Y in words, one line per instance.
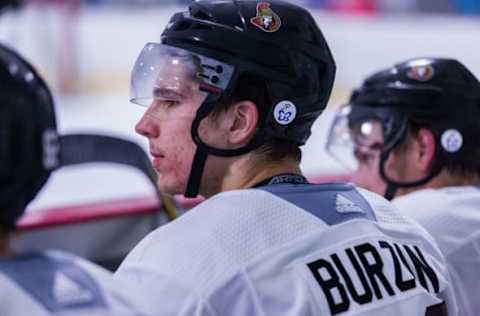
column 348, row 141
column 168, row 73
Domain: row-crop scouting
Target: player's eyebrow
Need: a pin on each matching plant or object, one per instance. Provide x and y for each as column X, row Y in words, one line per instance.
column 166, row 93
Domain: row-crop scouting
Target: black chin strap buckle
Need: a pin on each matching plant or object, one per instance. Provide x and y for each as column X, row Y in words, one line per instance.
column 390, row 191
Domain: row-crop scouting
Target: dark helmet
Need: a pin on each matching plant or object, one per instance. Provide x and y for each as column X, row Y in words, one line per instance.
column 10, row 4
column 273, row 40
column 27, row 134
column 437, row 93
column 30, row 147
column 291, row 54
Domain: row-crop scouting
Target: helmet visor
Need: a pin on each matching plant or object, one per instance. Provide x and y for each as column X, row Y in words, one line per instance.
column 167, row 73
column 351, row 141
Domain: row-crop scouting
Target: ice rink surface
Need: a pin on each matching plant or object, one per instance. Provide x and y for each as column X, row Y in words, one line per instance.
column 104, row 47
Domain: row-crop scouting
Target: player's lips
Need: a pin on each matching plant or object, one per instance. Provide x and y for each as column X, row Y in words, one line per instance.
column 157, row 159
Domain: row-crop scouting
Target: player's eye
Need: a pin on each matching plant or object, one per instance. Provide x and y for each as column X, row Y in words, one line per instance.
column 162, row 106
column 171, row 103
column 166, row 94
column 364, row 157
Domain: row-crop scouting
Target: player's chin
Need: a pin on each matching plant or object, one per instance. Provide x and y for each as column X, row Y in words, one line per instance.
column 170, row 186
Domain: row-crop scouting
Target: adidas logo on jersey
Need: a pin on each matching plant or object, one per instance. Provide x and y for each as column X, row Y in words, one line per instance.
column 66, row 292
column 344, row 205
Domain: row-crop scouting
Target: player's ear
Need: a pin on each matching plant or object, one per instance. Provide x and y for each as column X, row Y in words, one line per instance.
column 425, row 149
column 241, row 122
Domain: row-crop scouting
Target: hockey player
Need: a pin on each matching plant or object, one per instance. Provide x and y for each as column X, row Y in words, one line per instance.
column 415, row 135
column 231, row 92
column 47, row 283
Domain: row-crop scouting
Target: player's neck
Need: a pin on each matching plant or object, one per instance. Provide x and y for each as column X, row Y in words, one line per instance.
column 445, row 179
column 250, row 171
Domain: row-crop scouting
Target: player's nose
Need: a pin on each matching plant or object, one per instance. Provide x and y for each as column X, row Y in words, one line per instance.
column 147, row 127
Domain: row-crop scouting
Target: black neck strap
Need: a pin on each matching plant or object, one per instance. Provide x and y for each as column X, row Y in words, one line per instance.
column 196, row 172
column 392, row 185
column 390, row 191
column 291, row 178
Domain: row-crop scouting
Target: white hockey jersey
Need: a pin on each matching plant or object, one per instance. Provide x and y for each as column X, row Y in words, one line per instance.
column 452, row 216
column 53, row 283
column 290, row 249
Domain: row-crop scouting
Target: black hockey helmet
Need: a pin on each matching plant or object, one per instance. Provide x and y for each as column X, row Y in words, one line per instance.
column 10, row 4
column 30, row 147
column 27, row 134
column 438, row 93
column 273, row 40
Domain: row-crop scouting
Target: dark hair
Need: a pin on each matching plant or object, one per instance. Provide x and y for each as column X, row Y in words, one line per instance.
column 5, row 230
column 253, row 88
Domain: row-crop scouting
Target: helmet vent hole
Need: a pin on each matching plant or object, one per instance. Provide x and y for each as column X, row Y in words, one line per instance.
column 202, row 16
column 189, row 25
column 199, row 26
column 182, row 26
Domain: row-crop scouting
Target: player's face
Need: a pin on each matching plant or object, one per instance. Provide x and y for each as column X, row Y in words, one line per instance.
column 166, row 124
column 367, row 174
column 397, row 167
column 356, row 139
column 368, row 142
column 168, row 80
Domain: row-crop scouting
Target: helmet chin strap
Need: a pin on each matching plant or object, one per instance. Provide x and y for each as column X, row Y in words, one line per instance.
column 203, row 150
column 393, row 186
column 198, row 164
column 390, row 191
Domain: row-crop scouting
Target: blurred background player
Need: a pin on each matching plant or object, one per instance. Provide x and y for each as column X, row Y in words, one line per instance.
column 414, row 131
column 46, row 283
column 9, row 4
column 232, row 91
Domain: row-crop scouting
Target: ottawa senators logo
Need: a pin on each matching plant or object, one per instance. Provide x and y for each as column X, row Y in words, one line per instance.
column 421, row 73
column 266, row 19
